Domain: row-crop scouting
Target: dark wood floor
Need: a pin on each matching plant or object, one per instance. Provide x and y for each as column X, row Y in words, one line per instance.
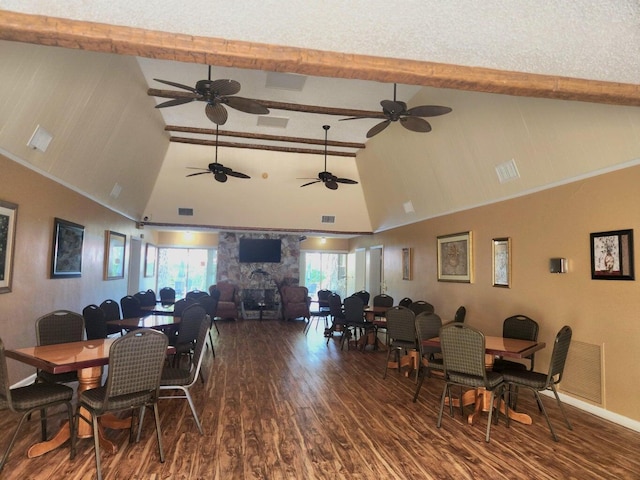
column 281, row 405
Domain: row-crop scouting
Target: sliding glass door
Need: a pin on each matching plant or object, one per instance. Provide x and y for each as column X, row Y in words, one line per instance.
column 325, row 271
column 186, row 269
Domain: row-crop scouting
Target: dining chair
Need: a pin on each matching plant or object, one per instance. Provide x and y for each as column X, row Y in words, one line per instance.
column 539, row 382
column 322, row 312
column 133, row 383
column 146, row 298
column 337, row 317
column 167, row 295
column 401, row 333
column 405, row 302
column 463, row 354
column 28, row 399
column 460, row 314
column 185, row 338
column 427, row 326
column 519, row 327
column 354, row 321
column 420, row 306
column 363, row 295
column 210, row 305
column 195, row 294
column 130, row 307
column 182, row 379
column 111, row 310
column 180, row 305
column 59, row 326
column 95, row 322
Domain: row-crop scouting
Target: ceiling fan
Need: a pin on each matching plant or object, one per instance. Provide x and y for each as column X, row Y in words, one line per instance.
column 395, row 110
column 220, row 172
column 330, row 180
column 216, row 93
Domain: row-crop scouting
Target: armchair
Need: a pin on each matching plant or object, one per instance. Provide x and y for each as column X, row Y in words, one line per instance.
column 228, row 302
column 295, row 302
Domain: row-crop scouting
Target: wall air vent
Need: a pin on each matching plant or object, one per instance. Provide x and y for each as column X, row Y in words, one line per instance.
column 328, row 219
column 507, row 171
column 187, row 212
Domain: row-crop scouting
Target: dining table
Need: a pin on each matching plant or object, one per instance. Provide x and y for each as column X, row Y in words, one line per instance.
column 156, row 321
column 88, row 358
column 495, row 347
column 159, row 309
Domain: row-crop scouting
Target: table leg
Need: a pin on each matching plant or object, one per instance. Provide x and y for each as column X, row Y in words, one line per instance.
column 482, row 404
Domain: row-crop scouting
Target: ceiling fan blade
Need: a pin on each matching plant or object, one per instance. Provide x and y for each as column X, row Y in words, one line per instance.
column 220, row 176
column 393, row 108
column 246, row 105
column 174, row 102
column 237, row 174
column 331, row 185
column 216, row 113
column 428, row 111
column 225, row 87
column 415, row 124
column 310, row 183
column 197, row 173
column 346, row 180
column 376, row 129
column 177, row 85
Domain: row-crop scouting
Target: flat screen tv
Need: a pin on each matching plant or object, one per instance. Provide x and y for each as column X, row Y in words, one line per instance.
column 260, row 250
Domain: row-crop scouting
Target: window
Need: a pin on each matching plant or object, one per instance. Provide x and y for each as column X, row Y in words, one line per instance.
column 186, row 269
column 325, row 271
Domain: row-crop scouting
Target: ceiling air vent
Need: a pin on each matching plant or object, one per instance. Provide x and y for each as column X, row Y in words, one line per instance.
column 507, row 171
column 187, row 212
column 328, row 219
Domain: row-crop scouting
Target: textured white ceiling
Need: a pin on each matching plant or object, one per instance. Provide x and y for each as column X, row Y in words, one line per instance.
column 591, row 39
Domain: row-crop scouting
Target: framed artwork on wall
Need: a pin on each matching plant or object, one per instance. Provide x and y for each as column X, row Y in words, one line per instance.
column 66, row 257
column 501, row 250
column 115, row 245
column 150, row 256
column 8, row 216
column 455, row 258
column 612, row 255
column 406, row 264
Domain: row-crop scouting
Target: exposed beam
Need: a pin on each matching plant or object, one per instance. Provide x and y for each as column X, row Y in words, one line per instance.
column 226, row 228
column 258, row 56
column 292, row 107
column 273, row 148
column 256, row 136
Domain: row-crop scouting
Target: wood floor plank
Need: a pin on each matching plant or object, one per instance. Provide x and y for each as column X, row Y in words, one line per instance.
column 281, row 405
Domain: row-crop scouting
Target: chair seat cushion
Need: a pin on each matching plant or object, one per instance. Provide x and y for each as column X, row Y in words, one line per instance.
column 493, row 380
column 175, row 376
column 37, row 394
column 94, row 399
column 524, row 377
column 58, row 377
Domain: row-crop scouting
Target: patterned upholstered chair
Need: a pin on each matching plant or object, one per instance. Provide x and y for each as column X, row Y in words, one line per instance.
column 228, row 301
column 295, row 302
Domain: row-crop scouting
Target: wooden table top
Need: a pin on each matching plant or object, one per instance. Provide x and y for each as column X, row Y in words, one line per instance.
column 148, row 321
column 159, row 309
column 504, row 347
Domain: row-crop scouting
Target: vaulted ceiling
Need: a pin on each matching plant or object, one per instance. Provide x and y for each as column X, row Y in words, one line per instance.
column 505, row 70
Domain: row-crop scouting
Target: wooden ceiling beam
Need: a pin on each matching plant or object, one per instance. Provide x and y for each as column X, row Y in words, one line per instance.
column 273, row 148
column 100, row 37
column 257, row 136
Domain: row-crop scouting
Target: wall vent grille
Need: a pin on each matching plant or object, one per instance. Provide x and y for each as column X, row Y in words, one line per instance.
column 188, row 212
column 328, row 219
column 583, row 372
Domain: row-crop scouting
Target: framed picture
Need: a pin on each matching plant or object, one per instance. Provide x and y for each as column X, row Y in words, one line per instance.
column 455, row 258
column 150, row 260
column 66, row 257
column 8, row 216
column 115, row 244
column 501, row 250
column 612, row 255
column 406, row 264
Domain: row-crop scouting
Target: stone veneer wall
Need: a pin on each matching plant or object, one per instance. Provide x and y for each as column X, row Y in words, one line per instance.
column 244, row 275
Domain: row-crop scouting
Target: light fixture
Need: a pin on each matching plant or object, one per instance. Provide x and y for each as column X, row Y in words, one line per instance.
column 323, row 240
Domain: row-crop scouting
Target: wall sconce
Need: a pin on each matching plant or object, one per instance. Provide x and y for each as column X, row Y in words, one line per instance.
column 558, row 265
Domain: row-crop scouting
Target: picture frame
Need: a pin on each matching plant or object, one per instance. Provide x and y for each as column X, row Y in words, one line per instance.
column 151, row 253
column 612, row 255
column 501, row 256
column 66, row 255
column 455, row 257
column 8, row 221
column 115, row 248
column 406, row 264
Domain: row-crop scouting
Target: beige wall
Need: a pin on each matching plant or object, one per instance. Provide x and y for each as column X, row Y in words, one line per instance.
column 34, row 293
column 552, row 223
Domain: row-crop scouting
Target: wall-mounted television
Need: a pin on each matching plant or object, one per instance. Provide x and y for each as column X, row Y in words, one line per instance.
column 260, row 250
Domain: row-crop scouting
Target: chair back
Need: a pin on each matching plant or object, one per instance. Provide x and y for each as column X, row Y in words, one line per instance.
column 95, row 322
column 420, row 306
column 405, row 302
column 559, row 355
column 383, row 300
column 521, row 327
column 363, row 295
column 130, row 307
column 111, row 310
column 427, row 326
column 5, row 383
column 227, row 291
column 209, row 303
column 135, row 366
column 167, row 296
column 180, row 306
column 189, row 325
column 60, row 326
column 460, row 315
column 323, row 298
column 463, row 350
column 195, row 294
column 401, row 324
column 335, row 306
column 146, row 298
column 353, row 309
column 198, row 350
